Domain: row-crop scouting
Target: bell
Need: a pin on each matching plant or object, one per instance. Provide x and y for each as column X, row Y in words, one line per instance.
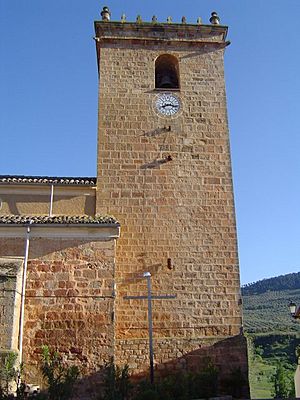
column 165, row 82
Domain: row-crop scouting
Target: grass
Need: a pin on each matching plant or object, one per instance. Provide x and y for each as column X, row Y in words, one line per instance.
column 273, row 336
column 261, row 385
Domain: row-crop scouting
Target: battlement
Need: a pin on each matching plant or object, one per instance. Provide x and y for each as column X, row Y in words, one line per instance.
column 106, row 17
column 160, row 31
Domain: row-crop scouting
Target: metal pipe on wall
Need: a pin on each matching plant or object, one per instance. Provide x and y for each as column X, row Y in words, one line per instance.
column 51, row 200
column 24, row 277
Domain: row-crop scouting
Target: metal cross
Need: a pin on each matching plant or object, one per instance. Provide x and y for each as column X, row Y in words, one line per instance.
column 150, row 297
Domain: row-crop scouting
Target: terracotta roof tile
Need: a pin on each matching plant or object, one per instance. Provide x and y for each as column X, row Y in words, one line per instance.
column 47, row 180
column 57, row 220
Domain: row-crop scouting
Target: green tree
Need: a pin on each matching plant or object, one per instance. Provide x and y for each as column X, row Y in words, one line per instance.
column 297, row 352
column 10, row 378
column 60, row 377
column 116, row 382
column 283, row 386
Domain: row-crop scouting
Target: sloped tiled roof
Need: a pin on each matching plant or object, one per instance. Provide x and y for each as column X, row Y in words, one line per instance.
column 57, row 220
column 48, row 180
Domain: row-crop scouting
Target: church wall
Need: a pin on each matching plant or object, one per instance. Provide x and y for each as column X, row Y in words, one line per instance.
column 182, row 210
column 168, row 182
column 10, row 289
column 26, row 200
column 69, row 301
column 226, row 355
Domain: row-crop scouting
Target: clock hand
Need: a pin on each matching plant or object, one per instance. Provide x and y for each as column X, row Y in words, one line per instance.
column 169, row 105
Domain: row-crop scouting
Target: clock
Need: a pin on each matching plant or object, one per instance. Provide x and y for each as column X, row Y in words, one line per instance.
column 167, row 104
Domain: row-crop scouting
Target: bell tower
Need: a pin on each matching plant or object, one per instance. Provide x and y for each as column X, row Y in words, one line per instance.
column 164, row 172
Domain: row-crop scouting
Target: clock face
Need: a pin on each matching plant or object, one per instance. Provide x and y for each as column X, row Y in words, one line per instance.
column 167, row 104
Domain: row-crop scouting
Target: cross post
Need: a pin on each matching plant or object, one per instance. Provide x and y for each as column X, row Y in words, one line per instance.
column 149, row 297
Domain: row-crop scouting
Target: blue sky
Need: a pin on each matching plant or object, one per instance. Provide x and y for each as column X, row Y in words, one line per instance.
column 48, row 103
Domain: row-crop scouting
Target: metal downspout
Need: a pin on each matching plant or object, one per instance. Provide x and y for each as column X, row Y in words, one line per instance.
column 51, row 200
column 24, row 277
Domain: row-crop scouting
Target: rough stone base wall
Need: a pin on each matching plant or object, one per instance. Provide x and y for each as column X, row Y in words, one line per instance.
column 173, row 355
column 10, row 299
column 69, row 301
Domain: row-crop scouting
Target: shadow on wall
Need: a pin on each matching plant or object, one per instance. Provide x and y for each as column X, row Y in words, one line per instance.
column 40, row 204
column 59, row 249
column 223, row 366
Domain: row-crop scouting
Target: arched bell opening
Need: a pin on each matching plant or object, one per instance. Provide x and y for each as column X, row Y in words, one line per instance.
column 166, row 72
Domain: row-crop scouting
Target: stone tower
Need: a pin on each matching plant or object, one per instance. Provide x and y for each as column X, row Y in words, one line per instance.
column 67, row 266
column 164, row 172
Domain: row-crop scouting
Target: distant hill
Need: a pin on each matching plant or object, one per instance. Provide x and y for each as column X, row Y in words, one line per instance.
column 265, row 305
column 282, row 282
column 272, row 333
column 269, row 312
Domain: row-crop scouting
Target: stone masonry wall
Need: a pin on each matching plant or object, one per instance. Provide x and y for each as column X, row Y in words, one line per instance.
column 69, row 303
column 10, row 288
column 226, row 355
column 182, row 209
